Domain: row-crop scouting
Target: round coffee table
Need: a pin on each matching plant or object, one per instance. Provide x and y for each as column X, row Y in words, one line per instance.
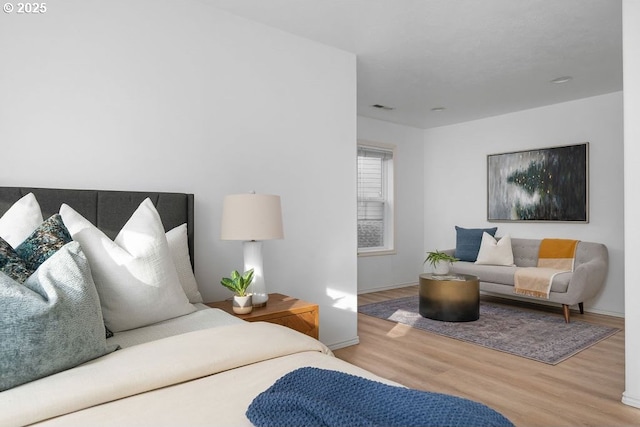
column 450, row 297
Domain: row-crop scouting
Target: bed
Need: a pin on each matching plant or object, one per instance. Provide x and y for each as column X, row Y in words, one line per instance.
column 139, row 357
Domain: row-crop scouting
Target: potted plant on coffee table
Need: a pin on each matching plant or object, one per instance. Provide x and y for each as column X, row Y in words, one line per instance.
column 440, row 261
column 238, row 284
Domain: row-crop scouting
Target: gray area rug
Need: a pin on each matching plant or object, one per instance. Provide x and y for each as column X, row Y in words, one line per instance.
column 539, row 336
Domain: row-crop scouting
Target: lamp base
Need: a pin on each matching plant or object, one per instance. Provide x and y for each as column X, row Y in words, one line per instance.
column 253, row 260
column 259, row 299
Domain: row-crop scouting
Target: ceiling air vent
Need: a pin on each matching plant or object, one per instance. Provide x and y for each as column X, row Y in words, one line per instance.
column 382, row 107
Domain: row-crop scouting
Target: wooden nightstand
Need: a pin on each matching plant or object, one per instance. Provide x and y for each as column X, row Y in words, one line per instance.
column 283, row 310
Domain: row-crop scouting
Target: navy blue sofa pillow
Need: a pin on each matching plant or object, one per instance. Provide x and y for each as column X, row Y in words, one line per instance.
column 468, row 242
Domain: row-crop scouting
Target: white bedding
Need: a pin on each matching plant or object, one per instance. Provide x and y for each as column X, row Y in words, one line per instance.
column 216, row 400
column 202, row 377
column 200, row 368
column 204, row 317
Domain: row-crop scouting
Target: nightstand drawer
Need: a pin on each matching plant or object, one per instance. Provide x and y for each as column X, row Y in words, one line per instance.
column 283, row 310
column 307, row 323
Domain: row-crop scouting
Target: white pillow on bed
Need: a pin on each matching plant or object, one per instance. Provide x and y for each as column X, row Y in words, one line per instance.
column 179, row 246
column 134, row 275
column 19, row 221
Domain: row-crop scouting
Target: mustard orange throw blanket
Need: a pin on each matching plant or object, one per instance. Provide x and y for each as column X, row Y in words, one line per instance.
column 554, row 256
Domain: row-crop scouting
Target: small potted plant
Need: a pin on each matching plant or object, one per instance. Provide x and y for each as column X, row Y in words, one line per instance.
column 440, row 261
column 238, row 284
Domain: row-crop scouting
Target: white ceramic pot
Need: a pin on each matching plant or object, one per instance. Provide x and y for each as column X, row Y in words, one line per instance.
column 441, row 267
column 242, row 305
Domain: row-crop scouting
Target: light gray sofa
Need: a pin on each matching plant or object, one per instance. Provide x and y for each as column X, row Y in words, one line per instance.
column 590, row 272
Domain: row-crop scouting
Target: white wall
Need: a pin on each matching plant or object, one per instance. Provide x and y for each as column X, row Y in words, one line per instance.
column 403, row 267
column 455, row 190
column 631, row 51
column 178, row 96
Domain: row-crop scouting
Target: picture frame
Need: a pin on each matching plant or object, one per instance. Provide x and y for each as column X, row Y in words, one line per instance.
column 546, row 184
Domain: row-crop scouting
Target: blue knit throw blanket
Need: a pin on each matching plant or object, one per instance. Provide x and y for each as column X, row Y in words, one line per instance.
column 319, row 397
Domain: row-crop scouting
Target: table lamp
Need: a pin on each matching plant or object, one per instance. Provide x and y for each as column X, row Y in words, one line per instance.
column 252, row 218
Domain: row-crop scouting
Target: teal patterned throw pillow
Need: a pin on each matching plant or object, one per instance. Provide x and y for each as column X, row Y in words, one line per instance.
column 47, row 239
column 11, row 264
column 50, row 236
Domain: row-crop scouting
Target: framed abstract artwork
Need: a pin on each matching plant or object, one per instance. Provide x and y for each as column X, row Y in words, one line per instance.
column 547, row 184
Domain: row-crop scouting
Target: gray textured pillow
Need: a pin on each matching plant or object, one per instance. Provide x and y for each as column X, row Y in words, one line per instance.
column 52, row 321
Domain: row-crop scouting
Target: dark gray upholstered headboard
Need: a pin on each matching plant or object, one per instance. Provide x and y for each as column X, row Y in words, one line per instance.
column 108, row 210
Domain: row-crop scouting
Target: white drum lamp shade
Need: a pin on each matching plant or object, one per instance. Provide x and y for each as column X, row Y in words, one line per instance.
column 252, row 218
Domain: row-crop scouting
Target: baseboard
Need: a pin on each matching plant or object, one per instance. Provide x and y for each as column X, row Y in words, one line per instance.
column 604, row 312
column 630, row 400
column 386, row 288
column 343, row 344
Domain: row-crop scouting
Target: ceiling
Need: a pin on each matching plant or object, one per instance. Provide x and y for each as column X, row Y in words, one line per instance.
column 475, row 58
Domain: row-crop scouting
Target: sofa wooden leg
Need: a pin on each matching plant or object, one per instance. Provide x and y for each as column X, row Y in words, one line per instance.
column 566, row 312
column 581, row 306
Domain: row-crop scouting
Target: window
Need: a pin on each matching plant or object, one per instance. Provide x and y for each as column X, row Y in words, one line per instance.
column 375, row 199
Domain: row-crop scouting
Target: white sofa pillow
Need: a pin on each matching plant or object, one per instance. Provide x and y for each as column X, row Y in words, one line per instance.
column 179, row 246
column 134, row 274
column 494, row 252
column 19, row 221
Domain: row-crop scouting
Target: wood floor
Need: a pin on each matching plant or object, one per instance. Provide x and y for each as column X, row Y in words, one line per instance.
column 584, row 390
